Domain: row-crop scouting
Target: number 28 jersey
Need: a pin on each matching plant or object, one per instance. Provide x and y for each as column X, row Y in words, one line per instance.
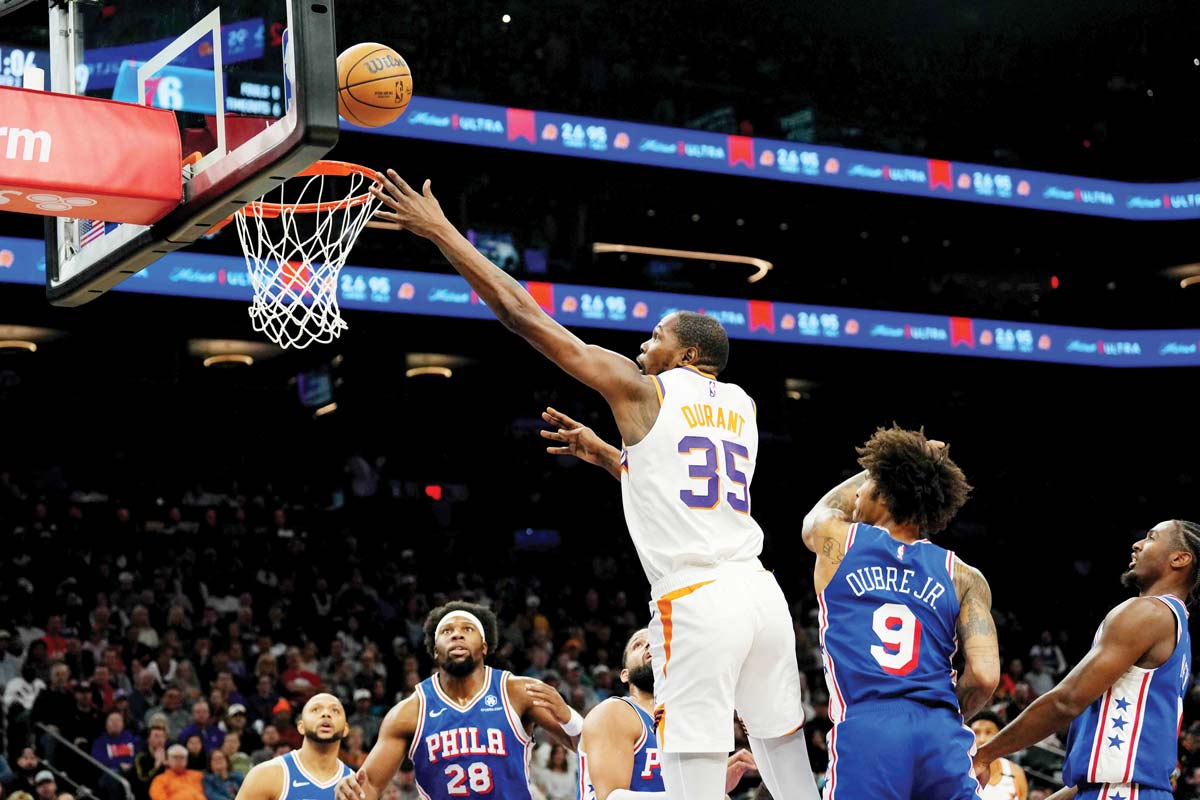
column 888, row 624
column 685, row 487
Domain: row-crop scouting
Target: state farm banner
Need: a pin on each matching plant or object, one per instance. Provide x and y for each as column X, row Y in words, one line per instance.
column 67, row 156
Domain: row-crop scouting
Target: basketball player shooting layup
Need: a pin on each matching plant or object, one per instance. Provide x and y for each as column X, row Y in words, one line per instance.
column 894, row 610
column 1124, row 700
column 720, row 629
column 467, row 728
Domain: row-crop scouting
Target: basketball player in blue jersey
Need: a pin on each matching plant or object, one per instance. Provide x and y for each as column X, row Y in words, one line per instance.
column 467, row 729
column 1124, row 700
column 720, row 629
column 313, row 771
column 894, row 610
column 619, row 755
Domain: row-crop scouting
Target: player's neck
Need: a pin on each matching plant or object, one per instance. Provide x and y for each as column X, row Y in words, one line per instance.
column 901, row 531
column 320, row 760
column 462, row 690
column 644, row 700
column 1165, row 585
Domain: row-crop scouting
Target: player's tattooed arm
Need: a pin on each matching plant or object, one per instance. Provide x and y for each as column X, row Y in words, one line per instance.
column 977, row 637
column 825, row 526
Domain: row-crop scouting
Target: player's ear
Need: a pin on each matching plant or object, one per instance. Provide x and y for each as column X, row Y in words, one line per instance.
column 300, row 726
column 625, row 676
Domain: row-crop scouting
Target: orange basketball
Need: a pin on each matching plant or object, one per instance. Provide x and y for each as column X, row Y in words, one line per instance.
column 374, row 85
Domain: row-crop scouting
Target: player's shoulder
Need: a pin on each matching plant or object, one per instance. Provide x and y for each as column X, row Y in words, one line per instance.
column 613, row 715
column 970, row 580
column 264, row 781
column 1140, row 611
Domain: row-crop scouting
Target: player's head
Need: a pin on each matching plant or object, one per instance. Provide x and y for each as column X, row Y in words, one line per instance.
column 909, row 480
column 323, row 720
column 636, row 669
column 685, row 339
column 459, row 636
column 1170, row 548
column 985, row 725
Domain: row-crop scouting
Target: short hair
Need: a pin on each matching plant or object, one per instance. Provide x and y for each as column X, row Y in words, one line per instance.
column 918, row 484
column 1189, row 533
column 491, row 628
column 177, row 750
column 629, row 644
column 987, row 716
column 705, row 334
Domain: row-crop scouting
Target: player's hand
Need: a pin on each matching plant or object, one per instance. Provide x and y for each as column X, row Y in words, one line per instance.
column 404, row 209
column 983, row 770
column 577, row 439
column 547, row 697
column 739, row 764
column 352, row 787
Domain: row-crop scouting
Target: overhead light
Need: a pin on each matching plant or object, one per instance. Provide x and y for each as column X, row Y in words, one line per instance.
column 229, row 358
column 18, row 344
column 326, row 409
column 761, row 266
column 416, row 372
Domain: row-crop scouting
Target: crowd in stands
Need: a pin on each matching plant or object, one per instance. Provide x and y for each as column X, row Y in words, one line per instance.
column 175, row 644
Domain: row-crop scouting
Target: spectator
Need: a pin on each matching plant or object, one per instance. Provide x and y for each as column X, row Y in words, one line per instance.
column 239, row 761
column 299, row 682
column 7, row 776
column 116, row 747
column 187, row 680
column 236, row 722
column 103, row 688
column 163, row 666
column 172, row 708
column 151, row 762
column 602, row 682
column 139, row 620
column 282, row 720
column 10, row 657
column 556, row 778
column 1050, row 654
column 221, row 782
column 27, row 767
column 404, row 787
column 575, row 690
column 56, row 643
column 55, row 704
column 202, row 725
column 21, row 692
column 85, row 723
column 178, row 782
column 226, row 684
column 270, row 738
column 197, row 759
column 1039, row 678
column 363, row 718
column 352, row 753
column 262, row 703
column 145, row 697
column 45, row 787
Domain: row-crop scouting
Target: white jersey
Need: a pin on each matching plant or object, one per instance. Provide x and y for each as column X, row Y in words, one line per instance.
column 686, row 486
column 1006, row 789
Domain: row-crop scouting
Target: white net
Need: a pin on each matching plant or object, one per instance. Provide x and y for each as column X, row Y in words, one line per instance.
column 295, row 251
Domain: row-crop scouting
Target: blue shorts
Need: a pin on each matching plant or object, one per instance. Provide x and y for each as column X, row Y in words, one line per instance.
column 899, row 750
column 1119, row 791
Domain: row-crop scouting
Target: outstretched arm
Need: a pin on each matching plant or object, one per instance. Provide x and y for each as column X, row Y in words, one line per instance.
column 391, row 748
column 1130, row 631
column 613, row 375
column 580, row 441
column 977, row 637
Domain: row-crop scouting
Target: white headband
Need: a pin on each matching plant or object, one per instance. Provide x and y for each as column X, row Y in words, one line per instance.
column 469, row 617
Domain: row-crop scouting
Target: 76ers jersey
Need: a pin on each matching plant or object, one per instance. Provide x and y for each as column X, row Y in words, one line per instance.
column 647, row 764
column 299, row 785
column 888, row 623
column 686, row 486
column 473, row 750
column 1130, row 734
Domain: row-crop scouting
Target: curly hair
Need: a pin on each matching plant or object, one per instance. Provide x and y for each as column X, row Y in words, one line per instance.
column 707, row 335
column 1189, row 533
column 491, row 628
column 918, row 484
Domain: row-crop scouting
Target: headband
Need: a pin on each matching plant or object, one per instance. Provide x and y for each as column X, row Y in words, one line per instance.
column 468, row 616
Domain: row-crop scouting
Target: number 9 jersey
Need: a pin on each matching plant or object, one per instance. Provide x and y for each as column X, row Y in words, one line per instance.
column 686, row 486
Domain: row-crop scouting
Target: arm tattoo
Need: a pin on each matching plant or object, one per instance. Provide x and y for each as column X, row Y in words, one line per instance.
column 832, row 549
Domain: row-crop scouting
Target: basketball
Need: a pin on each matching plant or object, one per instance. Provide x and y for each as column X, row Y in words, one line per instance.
column 374, row 85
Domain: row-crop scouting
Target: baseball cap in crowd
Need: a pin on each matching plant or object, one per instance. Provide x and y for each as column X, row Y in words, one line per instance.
column 43, row 777
column 82, row 686
column 125, row 577
column 236, row 708
column 600, row 669
column 572, row 666
column 120, row 694
column 5, row 634
column 361, row 694
column 282, row 707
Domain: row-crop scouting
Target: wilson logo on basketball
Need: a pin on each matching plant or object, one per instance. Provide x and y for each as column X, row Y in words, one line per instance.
column 383, row 62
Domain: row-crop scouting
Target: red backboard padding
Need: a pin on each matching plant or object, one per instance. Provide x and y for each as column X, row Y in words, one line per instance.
column 69, row 156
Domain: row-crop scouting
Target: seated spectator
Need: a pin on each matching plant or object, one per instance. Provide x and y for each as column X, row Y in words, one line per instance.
column 27, row 766
column 197, row 759
column 144, row 696
column 21, row 692
column 55, row 704
column 300, row 683
column 116, row 747
column 282, row 720
column 239, row 761
column 45, row 787
column 226, row 684
column 556, row 778
column 220, row 782
column 85, row 722
column 56, row 643
column 270, row 738
column 262, row 703
column 178, row 782
column 352, row 753
column 150, row 762
column 188, row 681
column 10, row 657
column 363, row 718
column 235, row 722
column 103, row 688
column 139, row 621
column 1039, row 678
column 172, row 708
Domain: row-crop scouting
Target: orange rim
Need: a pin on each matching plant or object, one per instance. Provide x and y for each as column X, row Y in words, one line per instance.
column 258, row 208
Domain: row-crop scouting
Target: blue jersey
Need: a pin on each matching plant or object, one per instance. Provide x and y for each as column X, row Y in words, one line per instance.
column 1130, row 734
column 299, row 785
column 888, row 624
column 473, row 750
column 647, row 764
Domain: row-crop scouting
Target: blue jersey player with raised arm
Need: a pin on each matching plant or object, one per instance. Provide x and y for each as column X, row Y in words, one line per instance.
column 313, row 771
column 1124, row 700
column 895, row 609
column 467, row 729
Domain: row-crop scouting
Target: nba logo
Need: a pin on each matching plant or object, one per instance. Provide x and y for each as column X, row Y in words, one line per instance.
column 712, row 388
column 900, row 552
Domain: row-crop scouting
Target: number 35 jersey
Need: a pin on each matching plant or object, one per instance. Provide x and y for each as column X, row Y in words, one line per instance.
column 888, row 623
column 686, row 486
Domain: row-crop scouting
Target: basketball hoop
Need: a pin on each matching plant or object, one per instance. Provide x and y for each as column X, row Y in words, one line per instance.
column 294, row 267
